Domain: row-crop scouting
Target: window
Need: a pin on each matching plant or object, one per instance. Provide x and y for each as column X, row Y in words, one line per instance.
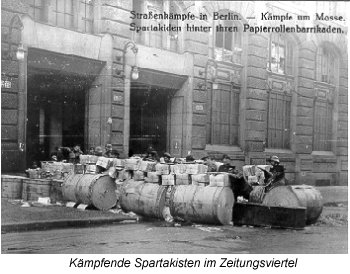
column 36, row 9
column 326, row 65
column 323, row 116
column 168, row 40
column 148, row 38
column 155, row 37
column 278, row 120
column 86, row 15
column 228, row 41
column 63, row 13
column 223, row 117
column 280, row 55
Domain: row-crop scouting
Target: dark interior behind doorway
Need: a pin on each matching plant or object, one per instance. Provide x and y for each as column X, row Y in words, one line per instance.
column 56, row 114
column 148, row 118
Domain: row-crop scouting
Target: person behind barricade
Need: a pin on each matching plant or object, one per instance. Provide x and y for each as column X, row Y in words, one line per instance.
column 108, row 151
column 91, row 151
column 190, row 159
column 153, row 156
column 115, row 154
column 63, row 154
column 98, row 151
column 53, row 155
column 167, row 158
column 276, row 175
column 147, row 156
column 208, row 161
column 227, row 167
column 72, row 158
column 238, row 185
column 77, row 152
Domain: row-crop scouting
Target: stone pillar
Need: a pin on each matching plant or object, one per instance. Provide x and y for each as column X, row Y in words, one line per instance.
column 342, row 124
column 304, row 118
column 256, row 99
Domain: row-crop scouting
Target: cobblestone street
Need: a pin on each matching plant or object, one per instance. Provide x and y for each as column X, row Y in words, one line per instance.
column 144, row 238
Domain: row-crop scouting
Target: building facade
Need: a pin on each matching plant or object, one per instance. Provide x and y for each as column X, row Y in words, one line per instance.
column 86, row 77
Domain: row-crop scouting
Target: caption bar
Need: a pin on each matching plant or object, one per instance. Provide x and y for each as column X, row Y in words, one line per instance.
column 140, row 263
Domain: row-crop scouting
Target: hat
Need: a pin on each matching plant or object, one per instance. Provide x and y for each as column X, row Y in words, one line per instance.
column 153, row 153
column 189, row 158
column 166, row 154
column 98, row 149
column 225, row 156
column 274, row 159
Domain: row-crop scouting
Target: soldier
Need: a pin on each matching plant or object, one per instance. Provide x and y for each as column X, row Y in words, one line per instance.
column 275, row 176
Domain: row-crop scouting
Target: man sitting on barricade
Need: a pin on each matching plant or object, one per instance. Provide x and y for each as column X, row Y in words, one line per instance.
column 239, row 186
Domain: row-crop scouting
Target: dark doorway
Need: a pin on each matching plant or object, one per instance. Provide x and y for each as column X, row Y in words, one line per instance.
column 57, row 101
column 56, row 113
column 148, row 117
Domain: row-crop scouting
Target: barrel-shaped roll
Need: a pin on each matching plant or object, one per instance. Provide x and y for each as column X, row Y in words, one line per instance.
column 91, row 189
column 69, row 186
column 11, row 186
column 297, row 196
column 35, row 188
column 202, row 204
column 145, row 199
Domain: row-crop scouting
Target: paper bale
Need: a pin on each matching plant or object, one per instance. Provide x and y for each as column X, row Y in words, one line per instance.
column 200, row 178
column 168, row 180
column 196, row 168
column 220, row 180
column 182, row 179
column 147, row 166
column 139, row 175
column 152, row 177
column 132, row 163
column 162, row 169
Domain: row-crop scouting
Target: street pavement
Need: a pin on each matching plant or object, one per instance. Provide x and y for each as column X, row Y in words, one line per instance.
column 156, row 237
column 120, row 234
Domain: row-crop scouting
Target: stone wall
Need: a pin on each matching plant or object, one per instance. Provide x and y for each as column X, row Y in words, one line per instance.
column 11, row 90
column 112, row 95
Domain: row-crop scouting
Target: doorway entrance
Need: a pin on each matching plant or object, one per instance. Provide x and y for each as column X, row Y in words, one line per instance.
column 149, row 117
column 55, row 114
column 58, row 89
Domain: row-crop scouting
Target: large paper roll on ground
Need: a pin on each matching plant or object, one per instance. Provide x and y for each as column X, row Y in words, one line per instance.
column 146, row 199
column 91, row 189
column 11, row 186
column 296, row 196
column 35, row 188
column 202, row 204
